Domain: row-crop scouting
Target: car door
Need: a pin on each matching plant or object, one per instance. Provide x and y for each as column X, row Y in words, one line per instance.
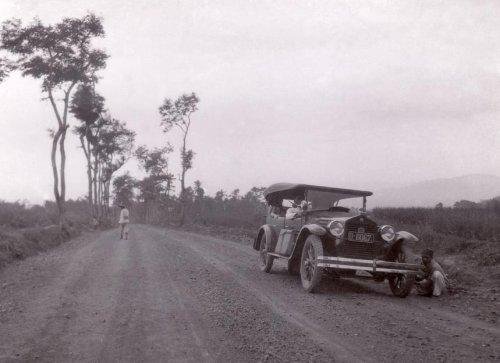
column 294, row 224
column 276, row 218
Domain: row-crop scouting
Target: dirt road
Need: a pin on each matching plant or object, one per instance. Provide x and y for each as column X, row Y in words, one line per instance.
column 166, row 295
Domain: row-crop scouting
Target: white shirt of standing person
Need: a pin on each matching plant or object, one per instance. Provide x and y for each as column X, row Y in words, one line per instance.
column 124, row 216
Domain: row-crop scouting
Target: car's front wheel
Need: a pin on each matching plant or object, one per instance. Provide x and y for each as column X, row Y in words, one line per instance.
column 310, row 272
column 401, row 284
column 266, row 261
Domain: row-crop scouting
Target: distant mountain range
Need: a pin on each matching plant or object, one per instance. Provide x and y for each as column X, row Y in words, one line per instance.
column 474, row 187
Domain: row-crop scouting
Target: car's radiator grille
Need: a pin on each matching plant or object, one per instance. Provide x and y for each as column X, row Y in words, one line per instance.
column 373, row 229
column 356, row 249
column 362, row 250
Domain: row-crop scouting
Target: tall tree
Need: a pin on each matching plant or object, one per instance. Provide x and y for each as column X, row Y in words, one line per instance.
column 123, row 189
column 199, row 192
column 87, row 106
column 155, row 187
column 198, row 208
column 113, row 148
column 178, row 114
column 61, row 56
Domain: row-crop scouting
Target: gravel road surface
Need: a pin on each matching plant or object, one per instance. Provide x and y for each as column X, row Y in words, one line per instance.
column 166, row 295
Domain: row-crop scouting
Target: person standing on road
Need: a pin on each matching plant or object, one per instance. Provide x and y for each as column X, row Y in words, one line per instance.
column 124, row 221
column 433, row 281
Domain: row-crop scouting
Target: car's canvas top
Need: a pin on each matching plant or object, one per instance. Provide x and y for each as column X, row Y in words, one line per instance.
column 290, row 190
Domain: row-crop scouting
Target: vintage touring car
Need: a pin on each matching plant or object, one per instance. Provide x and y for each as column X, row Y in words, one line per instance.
column 321, row 229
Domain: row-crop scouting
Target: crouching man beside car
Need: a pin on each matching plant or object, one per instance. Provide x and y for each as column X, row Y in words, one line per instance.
column 433, row 280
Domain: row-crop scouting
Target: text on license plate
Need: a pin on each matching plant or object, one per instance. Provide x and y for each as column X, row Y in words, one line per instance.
column 359, row 237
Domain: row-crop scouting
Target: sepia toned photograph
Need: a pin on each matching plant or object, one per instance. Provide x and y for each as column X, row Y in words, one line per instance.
column 249, row 181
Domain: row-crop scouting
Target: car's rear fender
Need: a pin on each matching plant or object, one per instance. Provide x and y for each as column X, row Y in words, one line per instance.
column 305, row 231
column 270, row 236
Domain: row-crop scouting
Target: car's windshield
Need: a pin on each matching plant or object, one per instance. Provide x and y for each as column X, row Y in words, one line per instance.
column 323, row 200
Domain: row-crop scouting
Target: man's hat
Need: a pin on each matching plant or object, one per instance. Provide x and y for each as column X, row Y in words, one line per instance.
column 428, row 252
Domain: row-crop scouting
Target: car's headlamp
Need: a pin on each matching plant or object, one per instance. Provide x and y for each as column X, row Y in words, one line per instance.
column 336, row 228
column 387, row 233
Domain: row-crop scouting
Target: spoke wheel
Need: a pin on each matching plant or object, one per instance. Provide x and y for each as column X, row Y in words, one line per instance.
column 401, row 284
column 310, row 273
column 266, row 261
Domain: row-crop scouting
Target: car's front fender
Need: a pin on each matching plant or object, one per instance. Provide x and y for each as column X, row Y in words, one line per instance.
column 314, row 229
column 403, row 238
column 305, row 231
column 406, row 237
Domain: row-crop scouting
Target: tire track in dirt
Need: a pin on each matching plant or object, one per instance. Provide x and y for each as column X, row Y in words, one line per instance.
column 327, row 340
column 373, row 318
column 229, row 309
column 167, row 294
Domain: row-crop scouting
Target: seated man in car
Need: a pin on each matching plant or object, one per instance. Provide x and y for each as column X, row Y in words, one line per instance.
column 295, row 211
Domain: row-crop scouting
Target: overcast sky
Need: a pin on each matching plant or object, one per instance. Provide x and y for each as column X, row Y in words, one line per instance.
column 341, row 93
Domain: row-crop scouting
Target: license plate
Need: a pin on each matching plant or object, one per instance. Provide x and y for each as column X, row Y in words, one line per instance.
column 359, row 237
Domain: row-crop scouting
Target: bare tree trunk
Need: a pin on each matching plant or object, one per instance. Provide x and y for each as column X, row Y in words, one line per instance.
column 96, row 167
column 89, row 179
column 86, row 151
column 99, row 199
column 62, row 199
column 53, row 161
column 62, row 150
column 60, row 137
column 183, row 178
column 106, row 197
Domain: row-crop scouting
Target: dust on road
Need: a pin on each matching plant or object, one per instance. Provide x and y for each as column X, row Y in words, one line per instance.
column 166, row 295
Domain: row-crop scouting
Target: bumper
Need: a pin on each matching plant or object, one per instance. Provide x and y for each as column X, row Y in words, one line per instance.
column 374, row 266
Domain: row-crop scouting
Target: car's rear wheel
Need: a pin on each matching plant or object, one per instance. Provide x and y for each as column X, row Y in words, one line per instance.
column 310, row 272
column 266, row 261
column 401, row 284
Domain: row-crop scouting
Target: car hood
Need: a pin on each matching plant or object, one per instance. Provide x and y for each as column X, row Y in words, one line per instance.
column 324, row 219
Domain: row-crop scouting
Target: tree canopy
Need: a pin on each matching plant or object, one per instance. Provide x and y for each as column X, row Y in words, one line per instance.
column 56, row 54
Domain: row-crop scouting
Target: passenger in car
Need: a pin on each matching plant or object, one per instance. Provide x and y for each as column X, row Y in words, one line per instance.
column 296, row 209
column 433, row 281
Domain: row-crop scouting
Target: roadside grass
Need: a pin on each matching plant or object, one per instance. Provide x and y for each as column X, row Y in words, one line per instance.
column 20, row 243
column 466, row 242
column 26, row 230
